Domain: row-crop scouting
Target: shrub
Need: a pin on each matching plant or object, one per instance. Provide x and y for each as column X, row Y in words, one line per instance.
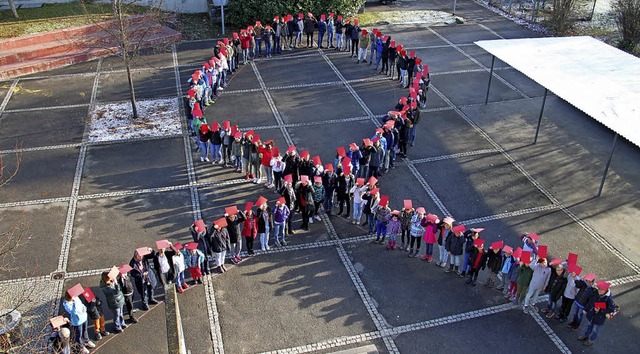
column 245, row 12
column 628, row 21
column 562, row 16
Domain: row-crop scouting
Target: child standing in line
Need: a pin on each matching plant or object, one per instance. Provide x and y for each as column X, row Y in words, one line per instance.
column 179, row 268
column 194, row 258
column 443, row 230
column 430, row 236
column 382, row 212
column 96, row 314
column 115, row 301
column 405, row 217
column 507, row 263
column 513, row 276
column 249, row 227
column 357, row 191
column 525, row 273
column 394, row 228
column 237, row 150
column 469, row 236
column 494, row 263
column 477, row 260
column 418, row 225
column 124, row 280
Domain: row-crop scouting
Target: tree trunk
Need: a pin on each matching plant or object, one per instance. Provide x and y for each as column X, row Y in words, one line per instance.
column 13, row 9
column 124, row 43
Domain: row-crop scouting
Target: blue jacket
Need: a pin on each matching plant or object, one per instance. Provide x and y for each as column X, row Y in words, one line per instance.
column 322, row 26
column 379, row 45
column 383, row 141
column 76, row 310
column 599, row 318
column 188, row 261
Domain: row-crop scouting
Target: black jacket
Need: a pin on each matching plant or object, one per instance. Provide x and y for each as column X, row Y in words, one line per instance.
column 494, row 261
column 454, row 244
column 262, row 225
column 233, row 226
column 556, row 287
column 474, row 253
column 309, row 25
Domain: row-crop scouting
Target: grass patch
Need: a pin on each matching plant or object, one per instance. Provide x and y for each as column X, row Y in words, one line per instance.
column 52, row 17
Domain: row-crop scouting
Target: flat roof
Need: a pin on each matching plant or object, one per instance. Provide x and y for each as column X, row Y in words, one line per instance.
column 600, row 80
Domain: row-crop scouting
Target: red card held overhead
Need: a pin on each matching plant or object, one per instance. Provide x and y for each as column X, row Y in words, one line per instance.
column 572, row 258
column 555, row 261
column 163, row 244
column 342, row 152
column 143, row 251
column 384, row 200
column 88, row 295
column 525, row 257
column 542, row 251
column 57, row 322
column 232, row 210
column 125, row 268
column 76, row 290
column 408, row 204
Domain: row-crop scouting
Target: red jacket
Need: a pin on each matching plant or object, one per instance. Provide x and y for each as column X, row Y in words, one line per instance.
column 266, row 156
column 245, row 42
column 250, row 226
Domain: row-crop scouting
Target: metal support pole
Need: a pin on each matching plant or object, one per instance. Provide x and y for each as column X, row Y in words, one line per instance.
column 544, row 100
column 606, row 168
column 222, row 14
column 493, row 60
column 454, row 7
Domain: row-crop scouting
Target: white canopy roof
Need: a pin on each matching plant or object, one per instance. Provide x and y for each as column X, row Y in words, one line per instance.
column 600, row 80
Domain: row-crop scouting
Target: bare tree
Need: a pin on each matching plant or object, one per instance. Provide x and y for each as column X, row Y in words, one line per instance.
column 127, row 33
column 628, row 21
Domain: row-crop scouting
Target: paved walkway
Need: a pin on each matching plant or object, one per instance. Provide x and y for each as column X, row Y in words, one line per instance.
column 330, row 289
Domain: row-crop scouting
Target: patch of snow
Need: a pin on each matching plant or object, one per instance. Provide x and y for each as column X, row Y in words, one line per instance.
column 113, row 121
column 422, row 17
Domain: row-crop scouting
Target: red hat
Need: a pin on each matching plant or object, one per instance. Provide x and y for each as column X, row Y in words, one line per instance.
column 374, row 191
column 304, row 178
column 372, row 181
column 353, row 147
column 448, row 220
column 407, row 204
column 248, row 206
column 458, row 228
column 261, row 200
column 375, row 30
column 497, row 245
column 534, row 236
column 572, row 258
column 379, row 130
column 414, row 104
column 191, row 93
column 574, row 268
column 590, row 277
column 225, row 41
column 231, row 211
column 291, row 148
column 309, row 14
column 331, row 14
column 304, row 154
column 393, row 113
column 542, row 251
column 276, row 18
column 234, row 129
column 316, row 160
column 360, row 182
column 425, row 70
column 281, row 200
column 195, row 77
column 384, row 200
column 478, row 242
column 317, row 179
column 206, row 65
column 507, row 249
column 364, row 32
column 395, row 212
column 399, row 48
column 191, row 246
column 288, row 178
column 196, row 111
column 378, row 34
column 341, row 151
column 250, row 28
column 421, row 210
column 525, row 256
column 328, row 167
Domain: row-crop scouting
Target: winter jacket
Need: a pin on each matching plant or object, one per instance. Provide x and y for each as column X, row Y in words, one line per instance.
column 525, row 273
column 250, row 226
column 599, row 317
column 125, row 285
column 570, row 291
column 139, row 279
column 289, row 195
column 237, row 148
column 77, row 311
column 114, row 295
column 233, row 226
column 94, row 308
column 318, row 193
column 513, row 272
column 371, row 203
column 280, row 215
column 507, row 264
column 417, row 226
column 394, row 227
column 309, row 25
column 339, row 26
column 364, row 42
column 202, row 239
column 322, row 26
column 382, row 213
column 454, row 244
column 540, row 277
column 494, row 261
column 365, row 155
column 220, row 240
column 189, row 260
column 477, row 258
column 556, row 287
column 430, row 233
column 265, row 220
column 377, row 155
column 304, row 195
column 585, row 292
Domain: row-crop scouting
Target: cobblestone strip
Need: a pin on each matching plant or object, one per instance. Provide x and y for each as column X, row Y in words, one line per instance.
column 550, row 333
column 42, row 148
column 34, row 202
column 539, row 186
column 625, row 280
column 478, row 63
column 272, row 105
column 214, row 317
column 453, row 156
column 510, row 214
column 75, row 189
